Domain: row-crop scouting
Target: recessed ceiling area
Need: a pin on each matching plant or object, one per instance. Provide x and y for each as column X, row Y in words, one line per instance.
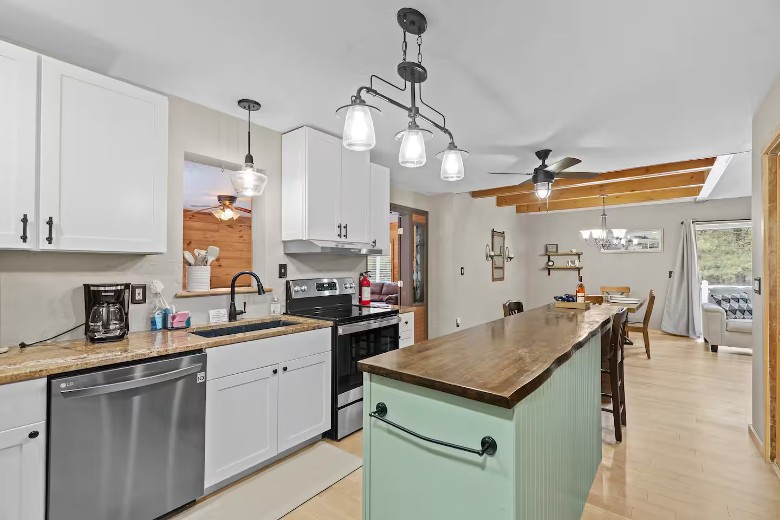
column 617, row 84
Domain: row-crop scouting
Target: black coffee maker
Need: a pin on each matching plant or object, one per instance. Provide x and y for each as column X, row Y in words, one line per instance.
column 107, row 306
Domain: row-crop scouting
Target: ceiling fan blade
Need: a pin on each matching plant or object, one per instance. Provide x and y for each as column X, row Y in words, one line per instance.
column 509, row 173
column 576, row 175
column 239, row 208
column 566, row 162
column 205, row 208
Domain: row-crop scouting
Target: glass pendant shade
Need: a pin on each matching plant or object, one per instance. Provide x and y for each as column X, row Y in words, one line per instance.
column 248, row 182
column 359, row 129
column 542, row 189
column 412, row 151
column 452, row 165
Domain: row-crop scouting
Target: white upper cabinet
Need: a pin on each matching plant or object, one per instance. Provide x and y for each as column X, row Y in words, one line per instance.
column 325, row 188
column 355, row 194
column 103, row 163
column 18, row 133
column 379, row 226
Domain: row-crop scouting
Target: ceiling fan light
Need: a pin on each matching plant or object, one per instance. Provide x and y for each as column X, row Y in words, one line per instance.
column 249, row 182
column 452, row 168
column 359, row 128
column 542, row 189
column 412, row 151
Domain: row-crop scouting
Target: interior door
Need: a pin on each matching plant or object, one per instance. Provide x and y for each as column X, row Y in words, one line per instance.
column 323, row 181
column 18, row 134
column 355, row 189
column 103, row 163
column 22, row 472
column 241, row 422
column 304, row 399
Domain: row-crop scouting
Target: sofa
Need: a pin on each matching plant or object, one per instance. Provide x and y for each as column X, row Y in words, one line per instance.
column 727, row 317
column 385, row 292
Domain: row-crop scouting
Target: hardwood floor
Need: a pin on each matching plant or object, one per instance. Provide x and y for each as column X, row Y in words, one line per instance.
column 686, row 452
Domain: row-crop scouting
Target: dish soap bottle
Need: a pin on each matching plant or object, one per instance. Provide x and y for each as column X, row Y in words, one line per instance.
column 580, row 290
column 276, row 306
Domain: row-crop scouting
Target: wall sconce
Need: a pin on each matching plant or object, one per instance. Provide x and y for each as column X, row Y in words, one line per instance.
column 489, row 254
column 508, row 257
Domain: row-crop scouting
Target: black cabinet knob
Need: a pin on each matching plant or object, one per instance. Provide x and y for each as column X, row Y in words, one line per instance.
column 275, row 371
column 284, row 369
column 33, row 434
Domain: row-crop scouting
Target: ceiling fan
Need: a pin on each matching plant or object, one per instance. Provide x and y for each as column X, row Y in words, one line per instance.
column 544, row 175
column 226, row 209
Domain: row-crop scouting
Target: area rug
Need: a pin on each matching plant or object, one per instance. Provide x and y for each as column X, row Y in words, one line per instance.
column 280, row 488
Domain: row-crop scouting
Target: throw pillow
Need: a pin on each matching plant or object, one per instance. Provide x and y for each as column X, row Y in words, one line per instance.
column 737, row 306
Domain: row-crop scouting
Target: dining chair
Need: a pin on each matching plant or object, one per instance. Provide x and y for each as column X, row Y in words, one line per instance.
column 594, row 298
column 644, row 325
column 613, row 373
column 615, row 290
column 512, row 307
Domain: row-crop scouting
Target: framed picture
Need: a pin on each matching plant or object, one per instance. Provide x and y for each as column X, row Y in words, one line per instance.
column 641, row 241
column 550, row 249
column 497, row 244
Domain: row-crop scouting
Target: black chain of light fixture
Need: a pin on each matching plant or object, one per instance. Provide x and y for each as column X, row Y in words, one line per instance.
column 419, row 49
column 403, row 48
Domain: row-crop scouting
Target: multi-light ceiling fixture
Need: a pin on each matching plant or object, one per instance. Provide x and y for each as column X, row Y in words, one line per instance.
column 605, row 237
column 249, row 182
column 359, row 125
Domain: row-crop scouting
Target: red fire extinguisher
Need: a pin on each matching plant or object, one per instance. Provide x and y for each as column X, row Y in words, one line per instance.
column 365, row 289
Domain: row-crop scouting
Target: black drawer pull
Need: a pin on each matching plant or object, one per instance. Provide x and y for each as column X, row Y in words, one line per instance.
column 25, row 220
column 50, row 223
column 339, row 231
column 345, row 231
column 33, row 434
column 489, row 445
column 275, row 371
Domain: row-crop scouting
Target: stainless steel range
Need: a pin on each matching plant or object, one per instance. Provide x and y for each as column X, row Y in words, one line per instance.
column 358, row 333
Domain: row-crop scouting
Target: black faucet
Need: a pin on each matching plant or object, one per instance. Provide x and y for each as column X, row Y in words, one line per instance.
column 233, row 313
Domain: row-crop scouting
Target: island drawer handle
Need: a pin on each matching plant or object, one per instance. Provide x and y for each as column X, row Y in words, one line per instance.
column 489, row 445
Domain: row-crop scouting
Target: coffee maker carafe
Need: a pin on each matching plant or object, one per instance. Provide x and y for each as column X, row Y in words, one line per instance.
column 106, row 307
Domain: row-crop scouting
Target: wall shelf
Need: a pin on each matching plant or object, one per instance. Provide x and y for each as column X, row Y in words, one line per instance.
column 563, row 267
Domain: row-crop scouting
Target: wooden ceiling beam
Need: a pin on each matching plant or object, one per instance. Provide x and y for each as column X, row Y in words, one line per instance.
column 614, row 200
column 645, row 171
column 696, row 178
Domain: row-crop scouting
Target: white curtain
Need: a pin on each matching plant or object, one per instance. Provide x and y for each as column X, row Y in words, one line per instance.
column 682, row 311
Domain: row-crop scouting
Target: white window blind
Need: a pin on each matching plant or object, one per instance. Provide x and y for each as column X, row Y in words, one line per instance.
column 380, row 268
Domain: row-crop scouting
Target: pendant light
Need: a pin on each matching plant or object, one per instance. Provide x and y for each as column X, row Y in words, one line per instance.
column 605, row 237
column 359, row 125
column 249, row 182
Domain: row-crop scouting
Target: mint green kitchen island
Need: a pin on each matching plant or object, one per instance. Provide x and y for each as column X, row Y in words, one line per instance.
column 497, row 422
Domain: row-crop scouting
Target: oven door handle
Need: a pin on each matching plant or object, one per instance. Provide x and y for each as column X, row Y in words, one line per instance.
column 368, row 325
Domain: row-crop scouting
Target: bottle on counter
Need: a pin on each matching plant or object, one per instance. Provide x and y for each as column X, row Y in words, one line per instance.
column 580, row 290
column 276, row 306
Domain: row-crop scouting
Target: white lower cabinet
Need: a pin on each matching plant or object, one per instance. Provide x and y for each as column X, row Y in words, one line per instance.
column 23, row 450
column 304, row 399
column 406, row 330
column 264, row 397
column 241, row 422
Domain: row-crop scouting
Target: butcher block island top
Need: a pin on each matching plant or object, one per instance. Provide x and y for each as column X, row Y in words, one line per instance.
column 498, row 363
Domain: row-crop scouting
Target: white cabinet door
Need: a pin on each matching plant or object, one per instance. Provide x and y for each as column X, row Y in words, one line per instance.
column 406, row 330
column 23, row 472
column 18, row 134
column 304, row 399
column 355, row 194
column 379, row 226
column 103, row 163
column 241, row 422
column 323, row 185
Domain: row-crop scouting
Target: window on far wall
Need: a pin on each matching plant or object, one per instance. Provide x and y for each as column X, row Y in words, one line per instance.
column 380, row 268
column 725, row 252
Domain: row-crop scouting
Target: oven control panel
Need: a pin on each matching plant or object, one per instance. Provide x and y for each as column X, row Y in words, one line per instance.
column 320, row 287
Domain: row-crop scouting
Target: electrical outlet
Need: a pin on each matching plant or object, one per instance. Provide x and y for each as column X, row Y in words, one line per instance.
column 282, row 270
column 138, row 293
column 457, row 322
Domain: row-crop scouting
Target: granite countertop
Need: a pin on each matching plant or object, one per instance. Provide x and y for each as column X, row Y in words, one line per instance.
column 64, row 356
column 498, row 363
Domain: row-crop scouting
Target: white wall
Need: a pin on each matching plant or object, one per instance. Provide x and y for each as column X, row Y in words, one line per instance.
column 640, row 271
column 766, row 124
column 460, row 228
column 41, row 293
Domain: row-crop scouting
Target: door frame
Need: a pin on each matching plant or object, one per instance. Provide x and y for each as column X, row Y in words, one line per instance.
column 770, row 167
column 407, row 212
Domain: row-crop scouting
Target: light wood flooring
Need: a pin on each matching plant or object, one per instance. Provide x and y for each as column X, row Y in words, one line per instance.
column 686, row 452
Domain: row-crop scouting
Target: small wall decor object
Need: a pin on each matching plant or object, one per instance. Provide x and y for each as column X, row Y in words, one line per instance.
column 498, row 246
column 550, row 249
column 550, row 263
column 639, row 241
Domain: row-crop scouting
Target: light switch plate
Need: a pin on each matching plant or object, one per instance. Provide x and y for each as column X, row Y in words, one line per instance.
column 282, row 270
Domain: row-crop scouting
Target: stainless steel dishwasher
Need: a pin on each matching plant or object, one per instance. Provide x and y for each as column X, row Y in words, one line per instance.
column 127, row 443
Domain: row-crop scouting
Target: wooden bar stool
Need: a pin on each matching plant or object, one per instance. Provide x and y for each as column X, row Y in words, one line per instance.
column 615, row 290
column 512, row 307
column 644, row 325
column 613, row 374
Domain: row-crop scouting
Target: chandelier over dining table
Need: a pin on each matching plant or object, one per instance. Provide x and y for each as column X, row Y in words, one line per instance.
column 358, row 121
column 605, row 237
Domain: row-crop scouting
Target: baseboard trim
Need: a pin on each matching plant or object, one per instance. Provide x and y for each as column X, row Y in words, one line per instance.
column 758, row 442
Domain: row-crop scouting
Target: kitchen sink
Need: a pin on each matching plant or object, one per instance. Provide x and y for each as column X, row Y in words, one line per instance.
column 240, row 329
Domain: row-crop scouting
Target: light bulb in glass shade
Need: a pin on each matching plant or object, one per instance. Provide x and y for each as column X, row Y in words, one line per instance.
column 359, row 129
column 452, row 165
column 227, row 214
column 248, row 182
column 412, row 152
column 542, row 189
column 619, row 233
column 585, row 234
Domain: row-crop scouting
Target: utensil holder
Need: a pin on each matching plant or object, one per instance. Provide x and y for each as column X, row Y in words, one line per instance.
column 198, row 278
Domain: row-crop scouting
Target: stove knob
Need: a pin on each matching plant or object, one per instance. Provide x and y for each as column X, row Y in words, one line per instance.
column 350, row 285
column 297, row 288
column 304, row 288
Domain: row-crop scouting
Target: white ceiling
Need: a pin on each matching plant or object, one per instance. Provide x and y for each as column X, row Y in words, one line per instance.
column 616, row 83
column 202, row 184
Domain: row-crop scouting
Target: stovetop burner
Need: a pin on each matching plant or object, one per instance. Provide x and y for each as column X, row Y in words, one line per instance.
column 329, row 299
column 344, row 313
